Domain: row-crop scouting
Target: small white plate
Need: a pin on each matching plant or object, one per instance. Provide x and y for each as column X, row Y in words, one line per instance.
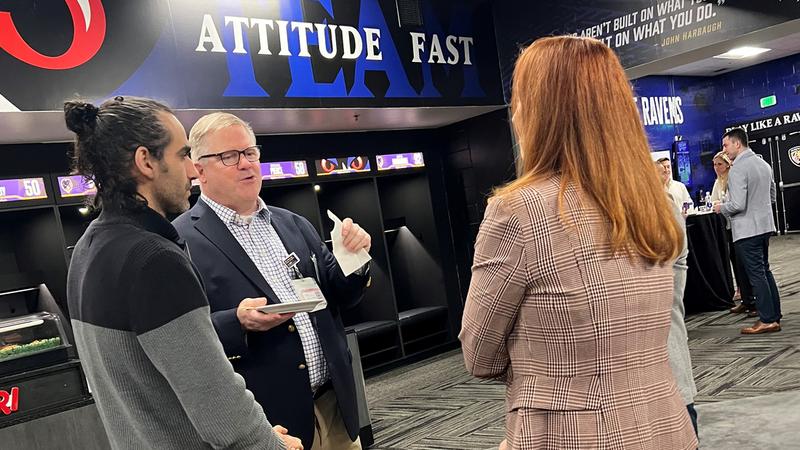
column 286, row 308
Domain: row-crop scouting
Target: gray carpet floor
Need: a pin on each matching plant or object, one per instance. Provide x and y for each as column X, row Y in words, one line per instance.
column 749, row 386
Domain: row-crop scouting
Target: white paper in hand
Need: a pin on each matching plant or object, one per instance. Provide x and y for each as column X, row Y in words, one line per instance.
column 348, row 261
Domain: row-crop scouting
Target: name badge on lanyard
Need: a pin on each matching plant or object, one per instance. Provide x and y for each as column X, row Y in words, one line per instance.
column 305, row 288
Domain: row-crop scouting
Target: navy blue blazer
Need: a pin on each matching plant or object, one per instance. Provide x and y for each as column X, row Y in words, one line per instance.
column 273, row 362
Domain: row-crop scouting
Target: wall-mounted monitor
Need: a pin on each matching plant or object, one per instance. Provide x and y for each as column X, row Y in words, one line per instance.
column 394, row 161
column 75, row 186
column 280, row 170
column 22, row 189
column 349, row 164
column 683, row 162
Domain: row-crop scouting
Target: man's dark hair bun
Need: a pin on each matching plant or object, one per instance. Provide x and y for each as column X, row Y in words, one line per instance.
column 81, row 117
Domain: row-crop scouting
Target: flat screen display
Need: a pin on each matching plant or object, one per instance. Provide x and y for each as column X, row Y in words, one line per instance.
column 280, row 170
column 21, row 189
column 75, row 186
column 684, row 162
column 394, row 161
column 350, row 164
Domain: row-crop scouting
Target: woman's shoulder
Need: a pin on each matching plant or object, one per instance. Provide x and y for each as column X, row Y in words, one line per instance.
column 536, row 191
column 536, row 199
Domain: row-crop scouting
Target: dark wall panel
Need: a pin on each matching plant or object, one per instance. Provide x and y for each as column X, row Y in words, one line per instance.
column 479, row 157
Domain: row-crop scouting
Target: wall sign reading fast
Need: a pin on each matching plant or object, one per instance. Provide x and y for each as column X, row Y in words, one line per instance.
column 394, row 161
column 279, row 170
column 349, row 164
column 21, row 189
column 76, row 186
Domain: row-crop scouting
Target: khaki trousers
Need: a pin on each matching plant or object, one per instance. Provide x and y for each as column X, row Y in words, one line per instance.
column 329, row 431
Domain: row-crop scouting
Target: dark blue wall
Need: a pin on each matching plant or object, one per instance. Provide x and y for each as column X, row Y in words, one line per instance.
column 518, row 23
column 709, row 104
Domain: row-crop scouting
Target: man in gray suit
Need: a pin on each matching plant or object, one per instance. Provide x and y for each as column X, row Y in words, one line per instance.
column 751, row 192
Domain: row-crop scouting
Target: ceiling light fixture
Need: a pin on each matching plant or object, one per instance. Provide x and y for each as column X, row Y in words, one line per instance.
column 742, row 52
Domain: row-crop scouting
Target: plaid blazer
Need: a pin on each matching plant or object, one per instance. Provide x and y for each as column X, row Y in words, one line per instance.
column 578, row 334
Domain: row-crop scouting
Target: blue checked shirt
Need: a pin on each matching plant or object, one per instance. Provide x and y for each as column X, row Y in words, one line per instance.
column 262, row 244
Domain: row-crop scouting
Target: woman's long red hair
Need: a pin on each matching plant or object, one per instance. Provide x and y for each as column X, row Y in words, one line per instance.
column 574, row 115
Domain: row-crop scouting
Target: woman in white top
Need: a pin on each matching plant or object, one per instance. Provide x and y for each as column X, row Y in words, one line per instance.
column 722, row 165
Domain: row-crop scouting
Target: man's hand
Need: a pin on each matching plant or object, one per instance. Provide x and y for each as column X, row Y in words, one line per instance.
column 717, row 207
column 253, row 320
column 291, row 442
column 354, row 237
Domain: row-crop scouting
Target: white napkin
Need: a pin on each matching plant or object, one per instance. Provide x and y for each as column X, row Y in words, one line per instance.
column 348, row 261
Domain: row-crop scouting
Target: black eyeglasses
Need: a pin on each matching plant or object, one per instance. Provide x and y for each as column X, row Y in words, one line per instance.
column 232, row 157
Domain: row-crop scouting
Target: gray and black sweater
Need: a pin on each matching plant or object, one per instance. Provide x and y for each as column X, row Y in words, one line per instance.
column 142, row 327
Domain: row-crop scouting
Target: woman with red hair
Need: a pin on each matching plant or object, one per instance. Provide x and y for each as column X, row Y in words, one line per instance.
column 572, row 280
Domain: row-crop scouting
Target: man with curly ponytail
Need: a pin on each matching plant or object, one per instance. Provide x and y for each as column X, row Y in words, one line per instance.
column 140, row 315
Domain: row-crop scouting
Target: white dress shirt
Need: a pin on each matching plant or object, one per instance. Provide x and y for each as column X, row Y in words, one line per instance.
column 679, row 193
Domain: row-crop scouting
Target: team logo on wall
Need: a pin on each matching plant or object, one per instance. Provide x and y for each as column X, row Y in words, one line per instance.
column 794, row 155
column 66, row 185
column 89, row 31
column 84, row 47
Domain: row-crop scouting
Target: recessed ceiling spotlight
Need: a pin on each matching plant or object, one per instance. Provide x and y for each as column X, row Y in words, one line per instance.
column 742, row 52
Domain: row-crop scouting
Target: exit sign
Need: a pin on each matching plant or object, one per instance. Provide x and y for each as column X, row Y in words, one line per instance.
column 766, row 102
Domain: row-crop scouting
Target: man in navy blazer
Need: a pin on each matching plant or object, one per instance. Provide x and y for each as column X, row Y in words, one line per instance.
column 297, row 366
